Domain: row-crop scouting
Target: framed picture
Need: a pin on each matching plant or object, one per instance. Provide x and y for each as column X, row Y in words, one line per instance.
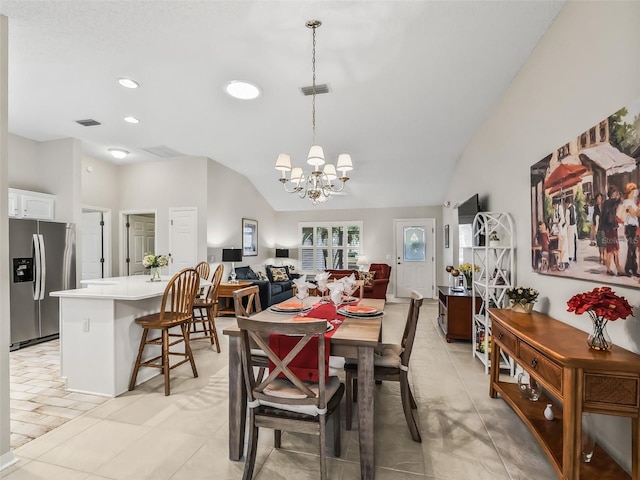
column 581, row 194
column 446, row 236
column 249, row 237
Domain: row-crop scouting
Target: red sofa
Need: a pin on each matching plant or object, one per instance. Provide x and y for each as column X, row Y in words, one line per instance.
column 378, row 288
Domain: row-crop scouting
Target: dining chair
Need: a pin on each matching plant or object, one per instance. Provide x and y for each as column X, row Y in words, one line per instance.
column 246, row 302
column 283, row 401
column 176, row 310
column 205, row 310
column 203, row 268
column 391, row 363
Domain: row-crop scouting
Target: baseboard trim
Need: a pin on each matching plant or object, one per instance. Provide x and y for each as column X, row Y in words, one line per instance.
column 7, row 459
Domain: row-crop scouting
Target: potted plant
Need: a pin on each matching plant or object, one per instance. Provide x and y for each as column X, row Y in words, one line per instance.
column 494, row 240
column 521, row 299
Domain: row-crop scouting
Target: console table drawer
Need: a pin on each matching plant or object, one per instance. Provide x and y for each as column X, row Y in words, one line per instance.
column 507, row 339
column 532, row 359
column 609, row 391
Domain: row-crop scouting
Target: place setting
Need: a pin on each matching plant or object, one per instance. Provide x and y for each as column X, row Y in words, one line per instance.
column 360, row 311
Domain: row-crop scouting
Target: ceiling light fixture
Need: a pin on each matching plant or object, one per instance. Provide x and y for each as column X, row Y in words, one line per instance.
column 131, row 120
column 242, row 90
column 127, row 82
column 316, row 185
column 118, row 153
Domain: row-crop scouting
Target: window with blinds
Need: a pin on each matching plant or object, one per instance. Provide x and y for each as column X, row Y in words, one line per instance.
column 329, row 245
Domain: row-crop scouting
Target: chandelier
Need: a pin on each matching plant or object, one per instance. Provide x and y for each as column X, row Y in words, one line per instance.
column 318, row 184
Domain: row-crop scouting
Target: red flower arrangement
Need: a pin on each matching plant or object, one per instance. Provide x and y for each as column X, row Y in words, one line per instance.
column 603, row 302
column 602, row 305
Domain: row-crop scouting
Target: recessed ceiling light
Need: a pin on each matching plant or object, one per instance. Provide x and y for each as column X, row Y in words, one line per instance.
column 131, row 120
column 118, row 153
column 127, row 82
column 242, row 90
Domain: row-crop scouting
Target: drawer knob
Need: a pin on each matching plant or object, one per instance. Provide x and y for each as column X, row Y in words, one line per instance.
column 534, row 363
column 500, row 335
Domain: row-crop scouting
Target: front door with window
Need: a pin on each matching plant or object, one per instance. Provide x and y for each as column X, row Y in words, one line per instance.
column 415, row 257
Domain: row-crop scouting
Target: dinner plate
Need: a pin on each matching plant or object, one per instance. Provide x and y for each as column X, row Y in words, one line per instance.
column 349, row 299
column 289, row 306
column 275, row 309
column 361, row 309
column 346, row 313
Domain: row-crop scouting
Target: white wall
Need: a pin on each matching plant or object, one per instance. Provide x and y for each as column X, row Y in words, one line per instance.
column 100, row 188
column 230, row 198
column 6, row 457
column 165, row 184
column 584, row 69
column 378, row 230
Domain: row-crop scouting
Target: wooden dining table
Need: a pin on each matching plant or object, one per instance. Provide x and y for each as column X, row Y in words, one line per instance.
column 355, row 338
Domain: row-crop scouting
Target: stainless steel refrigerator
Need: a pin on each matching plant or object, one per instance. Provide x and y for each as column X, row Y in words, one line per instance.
column 42, row 259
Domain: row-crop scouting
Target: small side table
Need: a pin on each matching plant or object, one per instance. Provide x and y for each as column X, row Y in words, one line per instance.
column 225, row 296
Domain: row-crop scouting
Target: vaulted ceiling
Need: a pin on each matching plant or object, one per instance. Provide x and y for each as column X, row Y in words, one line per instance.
column 410, row 83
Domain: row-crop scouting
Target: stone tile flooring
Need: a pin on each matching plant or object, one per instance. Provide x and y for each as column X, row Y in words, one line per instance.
column 39, row 402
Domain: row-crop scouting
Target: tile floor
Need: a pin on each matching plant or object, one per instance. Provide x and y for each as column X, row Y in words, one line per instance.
column 39, row 402
column 143, row 434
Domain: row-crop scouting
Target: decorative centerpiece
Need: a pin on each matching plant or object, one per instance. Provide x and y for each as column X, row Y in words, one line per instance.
column 154, row 263
column 467, row 270
column 521, row 299
column 602, row 305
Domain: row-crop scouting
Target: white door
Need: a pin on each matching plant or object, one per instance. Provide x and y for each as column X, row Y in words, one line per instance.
column 92, row 246
column 415, row 257
column 183, row 238
column 141, row 240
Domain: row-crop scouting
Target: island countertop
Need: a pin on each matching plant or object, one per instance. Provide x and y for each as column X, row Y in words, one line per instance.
column 135, row 287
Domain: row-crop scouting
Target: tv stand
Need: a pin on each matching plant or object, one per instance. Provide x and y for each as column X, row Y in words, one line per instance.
column 580, row 379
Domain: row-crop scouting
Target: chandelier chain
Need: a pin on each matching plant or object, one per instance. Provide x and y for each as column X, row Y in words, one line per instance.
column 313, row 97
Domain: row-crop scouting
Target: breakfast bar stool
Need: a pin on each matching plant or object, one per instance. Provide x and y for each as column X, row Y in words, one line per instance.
column 176, row 311
column 205, row 310
column 203, row 269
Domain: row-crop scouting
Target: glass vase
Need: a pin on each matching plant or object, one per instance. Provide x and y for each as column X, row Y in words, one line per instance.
column 588, row 437
column 155, row 274
column 599, row 338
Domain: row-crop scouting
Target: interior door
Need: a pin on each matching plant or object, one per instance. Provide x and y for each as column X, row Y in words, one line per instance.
column 415, row 257
column 142, row 237
column 183, row 237
column 92, row 245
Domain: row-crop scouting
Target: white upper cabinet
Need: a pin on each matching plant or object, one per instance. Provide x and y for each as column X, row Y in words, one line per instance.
column 25, row 204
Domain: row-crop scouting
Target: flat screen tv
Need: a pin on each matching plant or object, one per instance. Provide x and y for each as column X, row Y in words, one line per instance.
column 467, row 210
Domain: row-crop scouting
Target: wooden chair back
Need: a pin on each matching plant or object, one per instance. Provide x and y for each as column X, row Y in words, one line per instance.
column 214, row 288
column 258, row 331
column 246, row 301
column 178, row 297
column 410, row 327
column 203, row 269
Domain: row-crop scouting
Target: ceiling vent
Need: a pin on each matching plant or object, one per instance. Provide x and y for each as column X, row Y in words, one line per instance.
column 164, row 152
column 320, row 89
column 89, row 122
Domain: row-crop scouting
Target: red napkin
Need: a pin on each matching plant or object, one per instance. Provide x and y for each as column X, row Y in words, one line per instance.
column 305, row 365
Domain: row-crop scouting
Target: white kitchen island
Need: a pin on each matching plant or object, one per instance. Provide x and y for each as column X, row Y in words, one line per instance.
column 98, row 337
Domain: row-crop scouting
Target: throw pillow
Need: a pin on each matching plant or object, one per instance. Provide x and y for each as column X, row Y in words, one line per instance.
column 261, row 276
column 367, row 277
column 258, row 269
column 279, row 274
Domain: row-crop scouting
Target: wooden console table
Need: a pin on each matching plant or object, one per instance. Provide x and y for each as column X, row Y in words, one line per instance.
column 225, row 296
column 454, row 313
column 580, row 379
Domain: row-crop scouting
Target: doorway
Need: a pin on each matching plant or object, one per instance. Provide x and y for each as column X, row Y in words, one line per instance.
column 138, row 238
column 95, row 243
column 415, row 257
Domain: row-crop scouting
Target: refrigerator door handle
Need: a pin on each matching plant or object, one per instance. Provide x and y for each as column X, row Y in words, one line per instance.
column 43, row 268
column 36, row 253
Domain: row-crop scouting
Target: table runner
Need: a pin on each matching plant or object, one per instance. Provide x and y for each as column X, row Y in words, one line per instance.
column 305, row 365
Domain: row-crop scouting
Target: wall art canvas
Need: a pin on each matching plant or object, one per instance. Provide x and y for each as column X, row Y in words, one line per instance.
column 584, row 202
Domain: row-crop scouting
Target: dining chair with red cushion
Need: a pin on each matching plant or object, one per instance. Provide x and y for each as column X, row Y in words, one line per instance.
column 391, row 363
column 289, row 403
